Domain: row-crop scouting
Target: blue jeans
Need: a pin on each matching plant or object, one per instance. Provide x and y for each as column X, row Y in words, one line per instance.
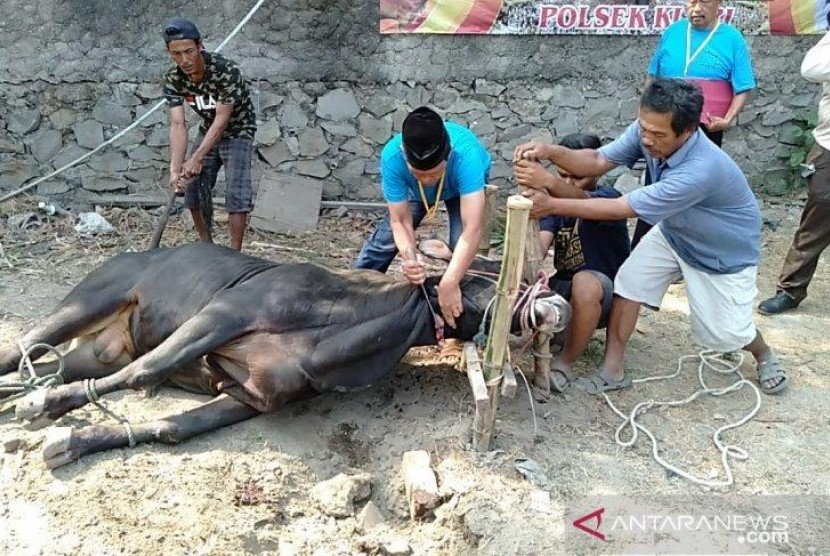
column 379, row 250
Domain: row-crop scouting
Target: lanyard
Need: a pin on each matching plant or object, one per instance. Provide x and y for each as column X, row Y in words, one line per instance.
column 431, row 210
column 689, row 56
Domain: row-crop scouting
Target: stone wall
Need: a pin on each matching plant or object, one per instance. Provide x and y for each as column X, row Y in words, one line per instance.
column 329, row 90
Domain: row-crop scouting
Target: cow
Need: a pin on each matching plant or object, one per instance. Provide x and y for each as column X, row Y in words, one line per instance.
column 253, row 333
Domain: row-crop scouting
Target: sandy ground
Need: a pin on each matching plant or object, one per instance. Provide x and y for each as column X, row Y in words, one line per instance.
column 195, row 498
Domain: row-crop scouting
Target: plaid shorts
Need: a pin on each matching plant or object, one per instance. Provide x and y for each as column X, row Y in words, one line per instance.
column 235, row 155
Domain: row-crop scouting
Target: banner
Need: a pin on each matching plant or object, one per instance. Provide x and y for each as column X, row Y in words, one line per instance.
column 592, row 17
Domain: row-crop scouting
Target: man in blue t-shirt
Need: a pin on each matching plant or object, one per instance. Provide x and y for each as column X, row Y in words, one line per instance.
column 587, row 254
column 713, row 54
column 708, row 232
column 430, row 161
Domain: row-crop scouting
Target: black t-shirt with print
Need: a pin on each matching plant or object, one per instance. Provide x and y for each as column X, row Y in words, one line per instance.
column 222, row 84
column 600, row 245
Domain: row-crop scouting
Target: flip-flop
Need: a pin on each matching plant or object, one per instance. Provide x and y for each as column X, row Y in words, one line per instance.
column 451, row 352
column 771, row 368
column 597, row 383
column 559, row 380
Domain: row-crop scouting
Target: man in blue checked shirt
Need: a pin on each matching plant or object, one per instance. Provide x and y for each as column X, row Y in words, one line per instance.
column 708, row 230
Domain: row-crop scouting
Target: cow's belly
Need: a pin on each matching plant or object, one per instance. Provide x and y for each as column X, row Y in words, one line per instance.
column 111, row 337
column 262, row 369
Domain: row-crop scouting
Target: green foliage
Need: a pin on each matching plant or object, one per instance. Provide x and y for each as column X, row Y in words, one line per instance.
column 803, row 140
column 497, row 235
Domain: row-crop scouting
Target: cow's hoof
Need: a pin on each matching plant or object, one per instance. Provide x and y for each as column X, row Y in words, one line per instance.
column 30, row 407
column 57, row 447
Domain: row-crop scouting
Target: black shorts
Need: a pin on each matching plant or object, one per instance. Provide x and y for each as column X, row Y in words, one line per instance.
column 563, row 288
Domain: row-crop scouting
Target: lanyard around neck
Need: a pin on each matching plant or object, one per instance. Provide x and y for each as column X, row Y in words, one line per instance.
column 432, row 210
column 689, row 56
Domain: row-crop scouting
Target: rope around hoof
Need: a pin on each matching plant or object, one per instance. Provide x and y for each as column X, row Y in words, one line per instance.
column 29, row 380
column 708, row 360
column 93, row 396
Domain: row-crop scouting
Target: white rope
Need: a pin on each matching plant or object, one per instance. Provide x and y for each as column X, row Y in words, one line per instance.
column 708, row 360
column 94, row 397
column 128, row 128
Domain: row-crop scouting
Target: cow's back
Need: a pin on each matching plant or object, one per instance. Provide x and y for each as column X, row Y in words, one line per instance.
column 178, row 283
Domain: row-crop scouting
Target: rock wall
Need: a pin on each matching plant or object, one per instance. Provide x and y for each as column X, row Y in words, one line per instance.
column 329, row 90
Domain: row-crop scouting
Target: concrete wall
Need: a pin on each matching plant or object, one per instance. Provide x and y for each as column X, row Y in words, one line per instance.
column 330, row 90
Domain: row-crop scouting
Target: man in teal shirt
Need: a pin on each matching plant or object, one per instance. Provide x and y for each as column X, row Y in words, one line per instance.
column 430, row 161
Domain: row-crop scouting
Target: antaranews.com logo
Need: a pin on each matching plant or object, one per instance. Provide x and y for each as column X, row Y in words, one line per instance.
column 715, row 525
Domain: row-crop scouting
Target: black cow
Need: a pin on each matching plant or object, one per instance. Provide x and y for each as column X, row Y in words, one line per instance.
column 215, row 321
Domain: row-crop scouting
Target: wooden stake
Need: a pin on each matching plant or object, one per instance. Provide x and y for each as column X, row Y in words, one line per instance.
column 508, row 383
column 495, row 354
column 471, row 362
column 541, row 341
column 491, row 198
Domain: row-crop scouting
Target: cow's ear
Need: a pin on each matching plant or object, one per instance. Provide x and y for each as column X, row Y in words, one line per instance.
column 435, row 249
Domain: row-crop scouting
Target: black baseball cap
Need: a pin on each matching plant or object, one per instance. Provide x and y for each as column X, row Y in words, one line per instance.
column 425, row 140
column 178, row 28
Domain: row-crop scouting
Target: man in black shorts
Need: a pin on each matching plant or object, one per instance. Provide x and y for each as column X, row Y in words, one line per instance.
column 587, row 254
column 214, row 87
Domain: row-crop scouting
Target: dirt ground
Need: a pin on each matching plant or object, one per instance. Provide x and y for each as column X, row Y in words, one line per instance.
column 245, row 489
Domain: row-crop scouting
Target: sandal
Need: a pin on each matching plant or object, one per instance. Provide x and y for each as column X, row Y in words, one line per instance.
column 597, row 383
column 770, row 369
column 559, row 380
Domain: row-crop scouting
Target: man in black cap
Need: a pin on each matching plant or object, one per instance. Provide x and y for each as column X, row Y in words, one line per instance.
column 214, row 87
column 430, row 161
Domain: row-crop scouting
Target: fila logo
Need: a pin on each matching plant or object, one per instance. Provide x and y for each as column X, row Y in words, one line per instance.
column 596, row 514
column 200, row 104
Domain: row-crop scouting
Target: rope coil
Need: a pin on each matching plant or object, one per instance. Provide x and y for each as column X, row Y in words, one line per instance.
column 29, row 380
column 712, row 361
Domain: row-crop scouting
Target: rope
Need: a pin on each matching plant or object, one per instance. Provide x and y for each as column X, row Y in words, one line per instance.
column 32, row 382
column 708, row 360
column 93, row 396
column 529, row 397
column 129, row 128
column 27, row 384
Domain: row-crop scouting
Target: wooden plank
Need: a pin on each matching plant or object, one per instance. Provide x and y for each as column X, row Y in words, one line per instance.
column 143, row 200
column 472, row 364
column 287, row 203
column 153, row 200
column 354, row 205
column 508, row 382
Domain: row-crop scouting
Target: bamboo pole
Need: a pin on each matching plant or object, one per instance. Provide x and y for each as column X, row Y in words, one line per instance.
column 495, row 354
column 541, row 341
column 490, row 201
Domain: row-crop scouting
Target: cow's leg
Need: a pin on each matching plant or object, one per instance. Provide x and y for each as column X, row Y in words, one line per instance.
column 209, row 329
column 82, row 362
column 64, row 444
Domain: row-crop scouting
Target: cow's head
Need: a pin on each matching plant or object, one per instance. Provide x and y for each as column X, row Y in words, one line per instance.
column 548, row 312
